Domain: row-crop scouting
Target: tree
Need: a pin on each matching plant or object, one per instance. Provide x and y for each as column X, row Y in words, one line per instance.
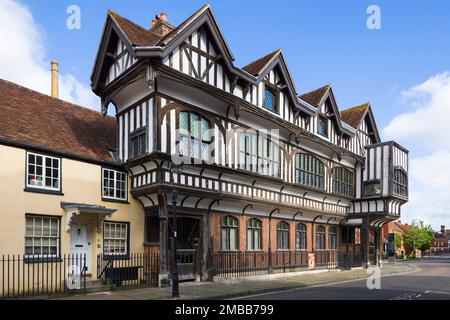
column 419, row 237
column 398, row 240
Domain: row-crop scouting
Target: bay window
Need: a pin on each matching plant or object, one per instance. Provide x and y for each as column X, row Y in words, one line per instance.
column 309, row 171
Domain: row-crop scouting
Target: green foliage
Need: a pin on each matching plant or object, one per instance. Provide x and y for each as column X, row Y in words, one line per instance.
column 420, row 237
column 398, row 240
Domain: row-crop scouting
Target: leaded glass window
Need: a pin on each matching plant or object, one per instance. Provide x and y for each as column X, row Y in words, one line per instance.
column 300, row 237
column 229, row 233
column 258, row 153
column 270, row 101
column 310, row 171
column 400, row 183
column 332, row 238
column 343, row 181
column 283, row 235
column 195, row 136
column 320, row 238
column 254, row 234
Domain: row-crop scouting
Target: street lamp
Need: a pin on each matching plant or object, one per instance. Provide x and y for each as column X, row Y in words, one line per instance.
column 174, row 196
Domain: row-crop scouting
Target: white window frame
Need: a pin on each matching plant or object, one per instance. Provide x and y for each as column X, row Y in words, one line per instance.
column 41, row 236
column 44, row 176
column 116, row 173
column 126, row 239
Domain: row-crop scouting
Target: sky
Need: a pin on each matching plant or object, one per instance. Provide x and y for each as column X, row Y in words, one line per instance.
column 402, row 69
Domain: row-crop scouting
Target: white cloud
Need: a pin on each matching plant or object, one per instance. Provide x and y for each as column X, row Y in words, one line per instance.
column 425, row 130
column 23, row 56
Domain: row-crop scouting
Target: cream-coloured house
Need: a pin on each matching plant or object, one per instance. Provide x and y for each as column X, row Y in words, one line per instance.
column 63, row 192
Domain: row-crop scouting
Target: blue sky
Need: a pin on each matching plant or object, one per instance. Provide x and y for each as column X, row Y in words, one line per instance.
column 324, row 41
column 402, row 69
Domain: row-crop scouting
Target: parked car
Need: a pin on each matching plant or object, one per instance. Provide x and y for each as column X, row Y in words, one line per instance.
column 438, row 253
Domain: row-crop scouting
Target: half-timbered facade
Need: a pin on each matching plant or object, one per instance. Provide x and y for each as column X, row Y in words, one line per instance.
column 264, row 168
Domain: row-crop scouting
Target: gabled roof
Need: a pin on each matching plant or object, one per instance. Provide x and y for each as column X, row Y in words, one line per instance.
column 256, row 67
column 34, row 119
column 316, row 97
column 137, row 35
column 354, row 116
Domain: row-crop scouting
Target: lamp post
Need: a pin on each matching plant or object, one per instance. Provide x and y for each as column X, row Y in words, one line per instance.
column 174, row 196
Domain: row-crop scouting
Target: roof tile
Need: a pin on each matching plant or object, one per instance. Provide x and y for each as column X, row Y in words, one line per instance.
column 30, row 117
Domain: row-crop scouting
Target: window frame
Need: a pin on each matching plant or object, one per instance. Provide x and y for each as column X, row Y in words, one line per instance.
column 324, row 246
column 283, row 232
column 400, row 184
column 193, row 138
column 268, row 87
column 262, row 142
column 44, row 189
column 109, row 198
column 335, row 236
column 39, row 258
column 137, row 134
column 311, row 161
column 252, row 229
column 323, row 118
column 372, row 183
column 227, row 228
column 339, row 184
column 298, row 237
column 116, row 256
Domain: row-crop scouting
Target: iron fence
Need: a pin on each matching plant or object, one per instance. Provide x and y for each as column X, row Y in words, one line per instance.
column 134, row 270
column 25, row 276
column 242, row 264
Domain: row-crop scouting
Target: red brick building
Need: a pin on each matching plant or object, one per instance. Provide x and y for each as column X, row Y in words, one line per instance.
column 441, row 242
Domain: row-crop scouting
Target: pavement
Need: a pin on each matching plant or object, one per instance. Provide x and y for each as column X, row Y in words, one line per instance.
column 430, row 282
column 249, row 287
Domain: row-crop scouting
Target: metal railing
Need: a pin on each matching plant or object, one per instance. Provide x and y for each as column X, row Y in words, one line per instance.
column 25, row 276
column 134, row 270
column 243, row 264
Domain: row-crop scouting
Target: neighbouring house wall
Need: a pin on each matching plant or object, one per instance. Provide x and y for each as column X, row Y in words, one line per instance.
column 81, row 183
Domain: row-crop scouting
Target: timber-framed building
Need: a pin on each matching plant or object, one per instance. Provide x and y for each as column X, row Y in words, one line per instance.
column 264, row 168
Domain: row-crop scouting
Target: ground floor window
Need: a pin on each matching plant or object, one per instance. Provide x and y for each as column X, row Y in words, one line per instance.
column 254, row 234
column 116, row 238
column 229, row 233
column 332, row 238
column 42, row 236
column 300, row 237
column 283, row 235
column 320, row 238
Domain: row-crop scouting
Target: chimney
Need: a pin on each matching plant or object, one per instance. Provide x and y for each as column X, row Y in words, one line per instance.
column 160, row 25
column 55, row 85
column 443, row 229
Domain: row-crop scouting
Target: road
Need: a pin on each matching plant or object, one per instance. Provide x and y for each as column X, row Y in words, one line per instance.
column 431, row 282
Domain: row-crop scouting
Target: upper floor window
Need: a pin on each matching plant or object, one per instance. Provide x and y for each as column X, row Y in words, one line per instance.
column 320, row 238
column 138, row 143
column 322, row 125
column 114, row 185
column 372, row 188
column 270, row 102
column 332, row 238
column 300, row 237
column 309, row 171
column 400, row 182
column 229, row 233
column 283, row 235
column 343, row 181
column 195, row 136
column 258, row 153
column 254, row 234
column 43, row 172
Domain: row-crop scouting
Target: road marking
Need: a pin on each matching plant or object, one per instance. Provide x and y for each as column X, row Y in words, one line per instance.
column 417, row 269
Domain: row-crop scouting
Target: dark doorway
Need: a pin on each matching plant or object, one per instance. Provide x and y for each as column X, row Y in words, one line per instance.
column 188, row 247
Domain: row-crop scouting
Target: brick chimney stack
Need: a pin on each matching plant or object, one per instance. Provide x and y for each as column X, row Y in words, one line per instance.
column 160, row 25
column 55, row 84
column 443, row 229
